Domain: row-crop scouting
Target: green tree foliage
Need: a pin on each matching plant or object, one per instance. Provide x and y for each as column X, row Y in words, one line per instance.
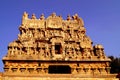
column 115, row 64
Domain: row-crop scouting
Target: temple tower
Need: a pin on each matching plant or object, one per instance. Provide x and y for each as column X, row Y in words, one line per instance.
column 54, row 46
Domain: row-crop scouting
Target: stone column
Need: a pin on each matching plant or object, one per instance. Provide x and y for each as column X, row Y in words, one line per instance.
column 53, row 48
column 103, row 71
column 108, row 70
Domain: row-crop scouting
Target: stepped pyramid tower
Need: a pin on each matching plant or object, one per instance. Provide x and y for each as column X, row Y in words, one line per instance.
column 54, row 47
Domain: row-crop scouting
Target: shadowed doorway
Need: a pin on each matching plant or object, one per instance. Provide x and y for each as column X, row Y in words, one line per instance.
column 59, row 69
column 58, row 48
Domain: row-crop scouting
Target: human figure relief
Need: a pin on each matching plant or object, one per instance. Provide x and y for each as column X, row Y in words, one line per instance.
column 80, row 36
column 47, row 53
column 16, row 51
column 35, row 34
column 42, row 53
column 11, row 51
column 41, row 34
column 29, row 33
column 86, row 52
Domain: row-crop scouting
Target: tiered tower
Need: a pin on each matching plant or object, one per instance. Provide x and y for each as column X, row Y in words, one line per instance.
column 54, row 46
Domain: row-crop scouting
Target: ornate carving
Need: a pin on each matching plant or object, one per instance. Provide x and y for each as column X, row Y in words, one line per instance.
column 54, row 21
column 43, row 42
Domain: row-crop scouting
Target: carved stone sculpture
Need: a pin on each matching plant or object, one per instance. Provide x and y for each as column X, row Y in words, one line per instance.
column 46, row 45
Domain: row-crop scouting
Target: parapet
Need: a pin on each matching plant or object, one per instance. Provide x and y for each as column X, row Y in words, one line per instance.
column 52, row 20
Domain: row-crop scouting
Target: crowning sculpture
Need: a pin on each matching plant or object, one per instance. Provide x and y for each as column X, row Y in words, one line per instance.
column 54, row 46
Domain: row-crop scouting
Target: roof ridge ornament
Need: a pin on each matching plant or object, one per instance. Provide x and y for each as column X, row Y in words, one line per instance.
column 42, row 17
column 33, row 16
column 25, row 15
column 53, row 14
column 68, row 17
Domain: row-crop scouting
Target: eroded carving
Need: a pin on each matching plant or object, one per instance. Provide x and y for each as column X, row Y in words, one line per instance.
column 54, row 39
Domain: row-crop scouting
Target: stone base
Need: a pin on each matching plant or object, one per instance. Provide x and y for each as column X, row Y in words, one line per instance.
column 26, row 78
column 59, row 77
column 48, row 78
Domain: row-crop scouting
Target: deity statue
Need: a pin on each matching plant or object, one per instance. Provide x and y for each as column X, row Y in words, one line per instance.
column 86, row 52
column 30, row 34
column 42, row 53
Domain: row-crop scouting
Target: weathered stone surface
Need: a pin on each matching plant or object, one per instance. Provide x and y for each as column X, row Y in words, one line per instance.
column 48, row 78
column 59, row 77
column 54, row 46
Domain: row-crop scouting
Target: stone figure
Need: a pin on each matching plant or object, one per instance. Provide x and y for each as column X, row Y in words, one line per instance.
column 30, row 34
column 42, row 53
column 86, row 52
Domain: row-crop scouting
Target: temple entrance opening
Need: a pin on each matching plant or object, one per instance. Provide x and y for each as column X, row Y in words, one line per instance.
column 58, row 48
column 59, row 69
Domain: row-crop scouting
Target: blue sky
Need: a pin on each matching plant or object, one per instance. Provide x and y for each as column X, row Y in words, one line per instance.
column 101, row 18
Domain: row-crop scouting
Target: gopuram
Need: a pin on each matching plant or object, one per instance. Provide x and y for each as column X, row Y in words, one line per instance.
column 55, row 49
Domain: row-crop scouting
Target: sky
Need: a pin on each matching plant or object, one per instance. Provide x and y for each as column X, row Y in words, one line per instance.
column 101, row 19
